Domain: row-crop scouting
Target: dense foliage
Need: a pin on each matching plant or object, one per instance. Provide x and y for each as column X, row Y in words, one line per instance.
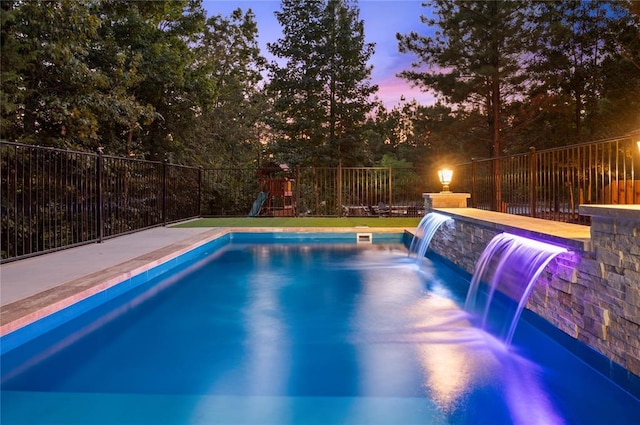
column 161, row 80
column 152, row 79
column 527, row 73
column 322, row 94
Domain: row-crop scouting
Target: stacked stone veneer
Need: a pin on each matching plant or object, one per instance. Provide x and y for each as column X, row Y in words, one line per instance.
column 591, row 294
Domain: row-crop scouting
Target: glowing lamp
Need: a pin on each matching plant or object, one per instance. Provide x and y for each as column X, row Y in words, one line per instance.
column 445, row 176
column 639, row 145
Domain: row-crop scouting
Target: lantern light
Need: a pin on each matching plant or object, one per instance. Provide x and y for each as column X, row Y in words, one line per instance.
column 445, row 176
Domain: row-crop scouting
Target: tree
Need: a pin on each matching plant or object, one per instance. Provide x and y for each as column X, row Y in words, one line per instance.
column 628, row 33
column 348, row 74
column 428, row 134
column 569, row 59
column 159, row 36
column 626, row 39
column 83, row 74
column 49, row 92
column 118, row 55
column 12, row 64
column 474, row 59
column 230, row 124
column 585, row 83
column 321, row 94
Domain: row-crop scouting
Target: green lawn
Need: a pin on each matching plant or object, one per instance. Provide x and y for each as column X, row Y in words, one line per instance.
column 303, row 222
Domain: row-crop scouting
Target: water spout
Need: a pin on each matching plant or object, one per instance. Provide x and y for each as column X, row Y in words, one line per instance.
column 503, row 279
column 424, row 233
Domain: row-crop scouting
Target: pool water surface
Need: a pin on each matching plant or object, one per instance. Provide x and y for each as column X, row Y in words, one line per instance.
column 300, row 333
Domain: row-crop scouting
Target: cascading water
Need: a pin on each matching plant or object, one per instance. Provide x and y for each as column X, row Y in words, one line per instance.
column 503, row 279
column 424, row 233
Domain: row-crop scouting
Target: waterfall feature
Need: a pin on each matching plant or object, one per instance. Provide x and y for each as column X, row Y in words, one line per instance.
column 503, row 279
column 424, row 233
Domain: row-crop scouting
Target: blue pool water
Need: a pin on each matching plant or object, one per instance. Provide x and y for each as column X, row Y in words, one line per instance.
column 300, row 333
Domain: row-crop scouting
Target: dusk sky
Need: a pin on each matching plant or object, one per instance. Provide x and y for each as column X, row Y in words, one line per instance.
column 382, row 20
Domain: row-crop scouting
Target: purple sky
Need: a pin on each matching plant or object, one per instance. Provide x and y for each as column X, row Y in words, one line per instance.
column 382, row 20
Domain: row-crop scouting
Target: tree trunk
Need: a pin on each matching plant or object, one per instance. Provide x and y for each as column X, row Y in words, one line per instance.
column 496, row 143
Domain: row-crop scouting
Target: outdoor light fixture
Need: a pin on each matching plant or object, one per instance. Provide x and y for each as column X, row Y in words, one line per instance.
column 445, row 178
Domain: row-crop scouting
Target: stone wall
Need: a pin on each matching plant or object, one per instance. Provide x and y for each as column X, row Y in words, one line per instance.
column 612, row 272
column 592, row 295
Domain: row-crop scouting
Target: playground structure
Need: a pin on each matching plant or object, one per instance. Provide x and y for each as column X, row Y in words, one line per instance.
column 276, row 192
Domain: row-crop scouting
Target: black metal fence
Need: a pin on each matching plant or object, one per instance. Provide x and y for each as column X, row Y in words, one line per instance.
column 552, row 183
column 348, row 191
column 228, row 191
column 48, row 199
column 52, row 199
column 319, row 191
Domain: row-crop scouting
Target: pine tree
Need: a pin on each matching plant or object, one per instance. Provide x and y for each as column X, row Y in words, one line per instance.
column 475, row 58
column 585, row 61
column 475, row 61
column 321, row 94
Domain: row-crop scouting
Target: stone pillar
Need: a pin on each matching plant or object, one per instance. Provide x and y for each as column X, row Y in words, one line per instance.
column 615, row 242
column 445, row 200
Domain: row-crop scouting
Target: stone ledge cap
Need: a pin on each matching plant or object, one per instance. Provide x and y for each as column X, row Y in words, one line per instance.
column 574, row 236
column 625, row 212
column 447, row 194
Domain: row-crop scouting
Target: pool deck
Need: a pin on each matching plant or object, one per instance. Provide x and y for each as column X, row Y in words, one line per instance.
column 35, row 287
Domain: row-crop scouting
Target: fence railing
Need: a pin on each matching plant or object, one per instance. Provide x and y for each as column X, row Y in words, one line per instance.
column 316, row 191
column 552, row 183
column 345, row 191
column 52, row 199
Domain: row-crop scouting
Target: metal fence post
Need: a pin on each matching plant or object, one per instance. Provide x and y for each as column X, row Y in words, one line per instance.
column 474, row 192
column 390, row 190
column 339, row 185
column 532, row 182
column 200, row 192
column 164, row 192
column 100, row 190
column 297, row 206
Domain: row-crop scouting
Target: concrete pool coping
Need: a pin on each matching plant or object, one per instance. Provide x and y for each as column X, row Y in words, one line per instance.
column 36, row 287
column 576, row 236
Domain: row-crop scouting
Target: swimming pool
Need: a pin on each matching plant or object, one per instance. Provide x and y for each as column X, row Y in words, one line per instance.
column 278, row 330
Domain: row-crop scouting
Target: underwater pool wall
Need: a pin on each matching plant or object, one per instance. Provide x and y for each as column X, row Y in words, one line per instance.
column 591, row 294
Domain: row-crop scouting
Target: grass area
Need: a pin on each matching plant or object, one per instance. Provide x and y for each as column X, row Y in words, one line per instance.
column 409, row 222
